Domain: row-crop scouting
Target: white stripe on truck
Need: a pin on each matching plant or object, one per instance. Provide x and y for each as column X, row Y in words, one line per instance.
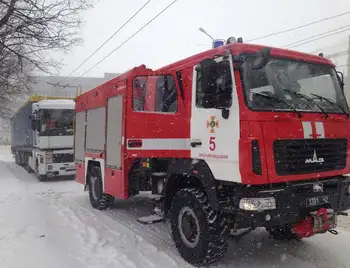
column 161, row 144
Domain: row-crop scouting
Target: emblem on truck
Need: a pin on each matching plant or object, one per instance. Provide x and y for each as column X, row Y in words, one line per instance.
column 314, row 159
column 212, row 124
column 317, row 187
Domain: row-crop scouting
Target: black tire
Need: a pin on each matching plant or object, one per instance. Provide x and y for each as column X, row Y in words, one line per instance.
column 41, row 177
column 208, row 245
column 283, row 233
column 29, row 169
column 16, row 158
column 98, row 199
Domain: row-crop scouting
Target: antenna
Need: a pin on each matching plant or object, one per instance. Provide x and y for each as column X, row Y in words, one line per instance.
column 206, row 33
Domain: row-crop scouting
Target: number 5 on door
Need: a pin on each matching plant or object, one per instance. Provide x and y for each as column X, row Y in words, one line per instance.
column 212, row 144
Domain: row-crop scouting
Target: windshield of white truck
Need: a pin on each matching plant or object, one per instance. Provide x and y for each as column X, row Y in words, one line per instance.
column 56, row 122
column 301, row 86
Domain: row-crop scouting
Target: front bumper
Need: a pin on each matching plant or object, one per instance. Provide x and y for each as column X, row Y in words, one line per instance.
column 60, row 169
column 291, row 202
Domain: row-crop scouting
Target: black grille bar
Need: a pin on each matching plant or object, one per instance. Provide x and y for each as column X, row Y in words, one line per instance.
column 309, row 156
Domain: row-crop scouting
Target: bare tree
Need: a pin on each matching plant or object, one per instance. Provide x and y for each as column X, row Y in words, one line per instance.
column 29, row 31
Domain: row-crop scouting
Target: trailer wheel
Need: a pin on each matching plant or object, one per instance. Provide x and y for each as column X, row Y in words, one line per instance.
column 195, row 228
column 16, row 158
column 41, row 177
column 98, row 199
column 283, row 233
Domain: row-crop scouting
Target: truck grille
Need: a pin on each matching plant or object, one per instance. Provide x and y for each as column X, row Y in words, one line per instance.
column 63, row 158
column 309, row 155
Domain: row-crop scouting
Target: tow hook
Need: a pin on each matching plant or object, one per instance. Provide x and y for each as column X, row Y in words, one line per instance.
column 334, row 232
column 237, row 235
column 319, row 221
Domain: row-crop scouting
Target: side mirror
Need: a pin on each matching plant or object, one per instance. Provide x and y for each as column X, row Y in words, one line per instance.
column 33, row 124
column 37, row 125
column 261, row 59
column 340, row 77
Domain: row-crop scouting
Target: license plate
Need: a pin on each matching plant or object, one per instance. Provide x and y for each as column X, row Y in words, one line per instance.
column 317, row 200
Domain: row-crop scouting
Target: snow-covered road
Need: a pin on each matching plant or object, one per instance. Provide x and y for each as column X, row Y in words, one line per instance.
column 52, row 224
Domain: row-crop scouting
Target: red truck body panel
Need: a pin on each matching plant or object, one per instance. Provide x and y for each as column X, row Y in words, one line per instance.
column 153, row 130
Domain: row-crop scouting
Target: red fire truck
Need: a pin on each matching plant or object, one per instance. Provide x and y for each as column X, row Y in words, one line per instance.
column 238, row 137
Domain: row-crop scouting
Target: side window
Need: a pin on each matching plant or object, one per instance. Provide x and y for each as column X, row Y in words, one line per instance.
column 155, row 94
column 139, row 93
column 220, row 80
column 199, row 91
column 166, row 95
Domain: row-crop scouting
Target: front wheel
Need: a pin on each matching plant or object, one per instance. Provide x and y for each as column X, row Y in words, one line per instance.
column 195, row 228
column 98, row 199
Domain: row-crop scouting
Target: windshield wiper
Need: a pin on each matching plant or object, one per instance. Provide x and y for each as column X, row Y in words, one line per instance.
column 332, row 102
column 307, row 98
column 280, row 100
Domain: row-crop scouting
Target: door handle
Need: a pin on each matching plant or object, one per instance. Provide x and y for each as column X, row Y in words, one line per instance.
column 196, row 143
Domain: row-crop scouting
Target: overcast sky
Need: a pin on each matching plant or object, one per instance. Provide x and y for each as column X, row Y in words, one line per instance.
column 174, row 35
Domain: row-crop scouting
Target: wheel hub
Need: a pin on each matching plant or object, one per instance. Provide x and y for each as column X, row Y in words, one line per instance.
column 188, row 227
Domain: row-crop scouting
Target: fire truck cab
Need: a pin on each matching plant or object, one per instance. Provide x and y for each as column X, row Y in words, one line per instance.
column 238, row 137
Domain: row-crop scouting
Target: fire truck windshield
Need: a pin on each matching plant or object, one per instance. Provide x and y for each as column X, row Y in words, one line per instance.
column 302, row 86
column 56, row 122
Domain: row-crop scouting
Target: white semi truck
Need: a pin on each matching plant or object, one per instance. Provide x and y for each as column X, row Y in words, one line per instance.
column 42, row 136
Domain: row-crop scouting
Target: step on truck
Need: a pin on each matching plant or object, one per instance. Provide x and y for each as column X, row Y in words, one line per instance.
column 42, row 136
column 235, row 138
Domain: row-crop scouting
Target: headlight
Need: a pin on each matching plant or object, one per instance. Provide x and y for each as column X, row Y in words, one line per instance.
column 256, row 204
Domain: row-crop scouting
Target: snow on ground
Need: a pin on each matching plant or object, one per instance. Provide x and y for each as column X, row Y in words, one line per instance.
column 52, row 224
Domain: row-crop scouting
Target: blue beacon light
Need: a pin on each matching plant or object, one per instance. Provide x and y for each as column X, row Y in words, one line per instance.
column 218, row 43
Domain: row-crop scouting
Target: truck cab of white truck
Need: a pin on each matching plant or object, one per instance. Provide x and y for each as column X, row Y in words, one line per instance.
column 42, row 136
column 52, row 123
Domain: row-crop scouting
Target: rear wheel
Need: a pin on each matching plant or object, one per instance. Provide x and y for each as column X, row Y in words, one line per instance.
column 98, row 199
column 195, row 228
column 17, row 158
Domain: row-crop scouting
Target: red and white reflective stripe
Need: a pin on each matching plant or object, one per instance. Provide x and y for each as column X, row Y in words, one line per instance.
column 313, row 130
column 158, row 144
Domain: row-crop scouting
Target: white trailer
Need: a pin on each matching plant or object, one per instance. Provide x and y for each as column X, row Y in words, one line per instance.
column 42, row 136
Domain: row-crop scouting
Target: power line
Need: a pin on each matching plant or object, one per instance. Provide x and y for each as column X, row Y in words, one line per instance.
column 344, row 65
column 58, row 85
column 299, row 27
column 317, row 35
column 117, row 31
column 306, row 42
column 337, row 54
column 328, row 47
column 144, row 26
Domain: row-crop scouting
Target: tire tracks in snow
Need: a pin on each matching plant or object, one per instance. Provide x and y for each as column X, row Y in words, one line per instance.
column 78, row 213
column 98, row 249
column 73, row 212
column 111, row 251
